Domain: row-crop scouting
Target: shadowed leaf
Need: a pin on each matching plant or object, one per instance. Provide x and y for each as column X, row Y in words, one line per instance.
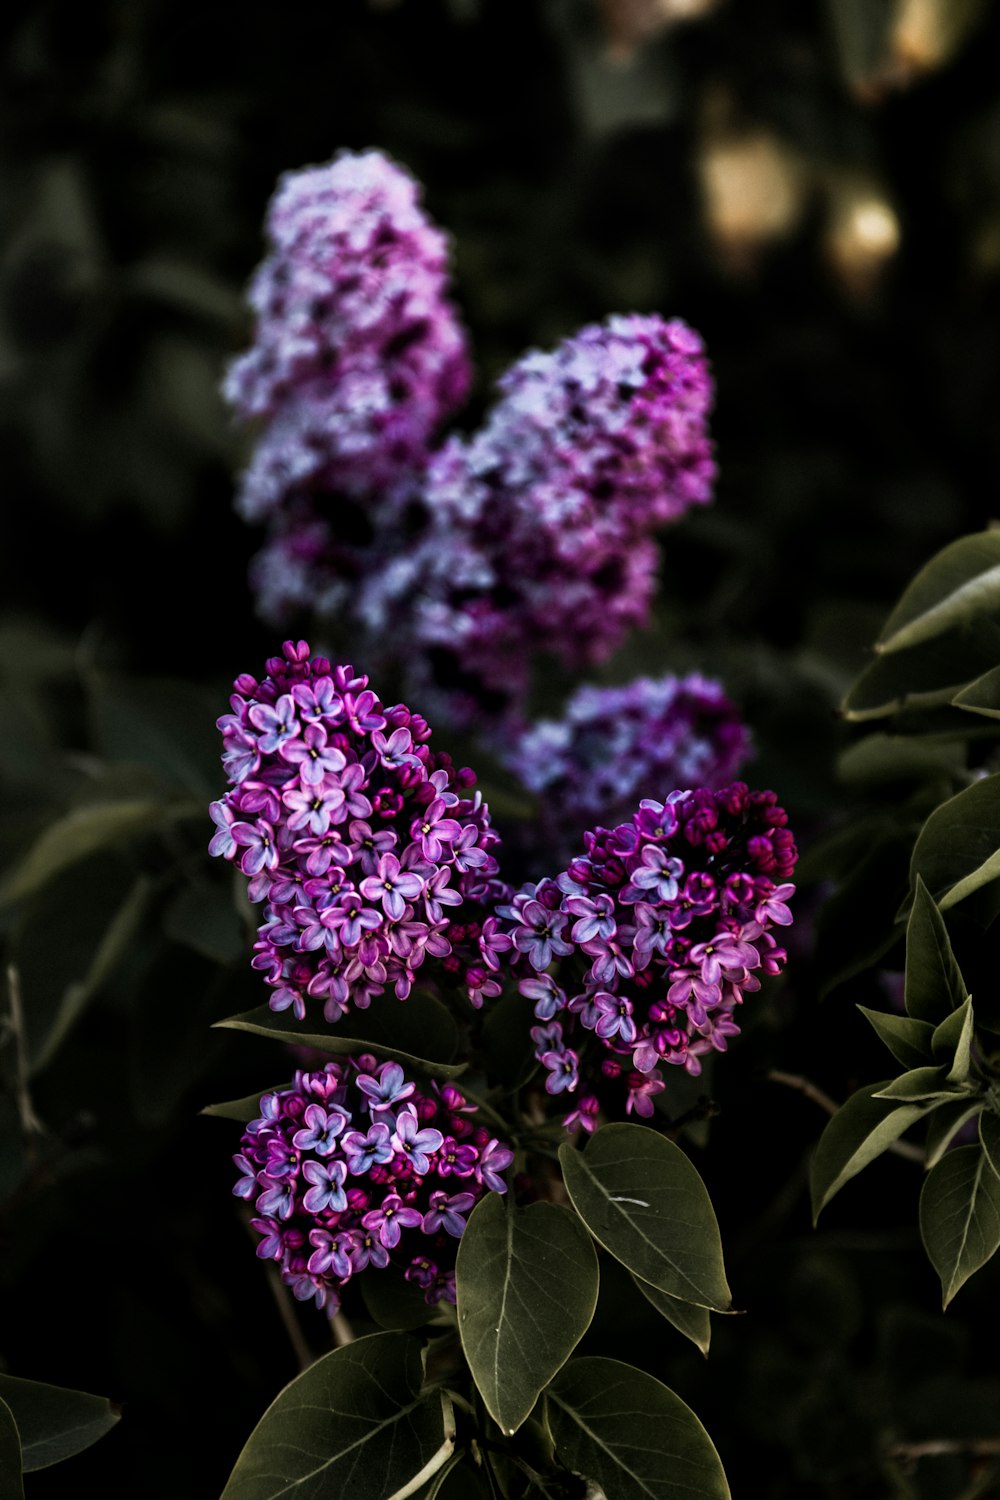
column 960, row 1216
column 863, row 1127
column 527, row 1282
column 695, row 1323
column 960, row 582
column 53, row 1421
column 934, row 986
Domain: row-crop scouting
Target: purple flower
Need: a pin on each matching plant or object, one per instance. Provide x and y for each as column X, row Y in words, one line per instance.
column 414, row 1143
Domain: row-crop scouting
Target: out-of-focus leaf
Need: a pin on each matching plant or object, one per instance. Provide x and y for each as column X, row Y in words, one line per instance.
column 189, row 288
column 629, row 1434
column 526, row 1281
column 925, row 676
column 981, row 696
column 945, row 1123
column 881, row 760
column 695, row 1323
column 863, row 1127
column 934, row 986
column 960, row 1216
column 55, row 1422
column 83, row 831
column 11, row 1482
column 958, row 584
column 907, row 1039
column 861, row 34
column 242, row 1110
column 507, row 1036
column 69, row 941
column 958, row 848
column 167, row 726
column 204, row 918
column 643, row 1200
column 354, row 1423
column 395, row 1029
column 393, row 1302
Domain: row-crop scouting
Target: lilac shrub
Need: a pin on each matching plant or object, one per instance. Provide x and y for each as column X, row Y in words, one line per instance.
column 358, row 359
column 614, row 745
column 540, row 526
column 368, row 848
column 353, row 1166
column 638, row 954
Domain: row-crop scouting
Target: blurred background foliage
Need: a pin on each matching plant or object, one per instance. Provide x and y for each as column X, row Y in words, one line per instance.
column 817, row 190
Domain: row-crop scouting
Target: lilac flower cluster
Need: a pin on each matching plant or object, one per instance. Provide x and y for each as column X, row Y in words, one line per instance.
column 357, row 361
column 353, row 1167
column 639, row 953
column 364, row 843
column 614, row 744
column 540, row 526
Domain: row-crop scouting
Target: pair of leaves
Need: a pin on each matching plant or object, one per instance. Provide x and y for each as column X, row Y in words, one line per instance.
column 527, row 1279
column 43, row 1424
column 358, row 1423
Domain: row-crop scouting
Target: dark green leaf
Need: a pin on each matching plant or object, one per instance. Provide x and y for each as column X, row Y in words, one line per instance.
column 629, row 1434
column 55, row 1422
column 68, row 942
column 881, row 760
column 353, row 1424
column 83, row 831
column 981, row 696
column 695, row 1323
column 863, row 1127
column 952, row 1042
column 527, row 1282
column 907, row 1039
column 419, row 1030
column 989, row 1136
column 934, row 983
column 960, row 583
column 247, row 1108
column 393, row 1302
column 960, row 1216
column 167, row 726
column 644, row 1201
column 945, row 1123
column 11, row 1483
column 958, row 848
column 203, row 917
column 919, row 1084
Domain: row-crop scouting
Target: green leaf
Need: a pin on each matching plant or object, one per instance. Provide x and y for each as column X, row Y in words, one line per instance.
column 695, row 1323
column 863, row 1127
column 989, row 1136
column 55, row 1422
column 981, row 696
column 960, row 1216
column 354, row 1423
column 919, row 1084
column 83, row 831
column 629, row 1434
column 945, row 1123
column 69, row 940
column 907, row 1039
column 527, row 1282
column 393, row 1302
column 881, row 760
column 247, row 1108
column 958, row 584
column 204, row 918
column 167, row 726
column 418, row 1030
column 644, row 1201
column 958, row 848
column 11, row 1483
column 952, row 1041
column 934, row 986
column 908, row 685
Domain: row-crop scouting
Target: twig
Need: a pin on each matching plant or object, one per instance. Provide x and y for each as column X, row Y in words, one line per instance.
column 342, row 1331
column 938, row 1447
column 31, row 1125
column 796, row 1081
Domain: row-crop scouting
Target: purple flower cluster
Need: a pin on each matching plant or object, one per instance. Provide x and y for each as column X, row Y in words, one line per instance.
column 540, row 526
column 640, row 952
column 364, row 843
column 357, row 361
column 353, row 1167
column 616, row 744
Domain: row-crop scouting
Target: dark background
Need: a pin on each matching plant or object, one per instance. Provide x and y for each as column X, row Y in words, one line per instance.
column 566, row 152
